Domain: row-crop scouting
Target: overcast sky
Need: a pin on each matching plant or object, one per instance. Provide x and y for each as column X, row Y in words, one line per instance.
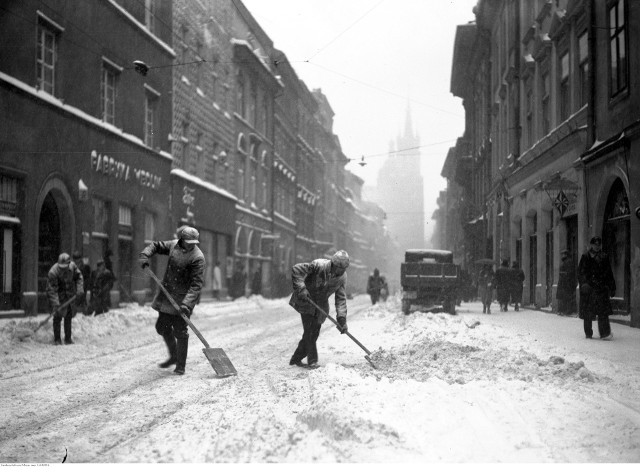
column 372, row 58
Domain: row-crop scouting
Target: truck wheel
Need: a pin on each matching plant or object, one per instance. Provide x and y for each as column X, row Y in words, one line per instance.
column 406, row 306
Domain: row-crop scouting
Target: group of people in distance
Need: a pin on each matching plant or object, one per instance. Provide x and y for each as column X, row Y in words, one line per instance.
column 594, row 277
column 508, row 282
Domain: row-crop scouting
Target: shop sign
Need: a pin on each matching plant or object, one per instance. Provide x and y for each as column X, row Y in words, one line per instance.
column 111, row 167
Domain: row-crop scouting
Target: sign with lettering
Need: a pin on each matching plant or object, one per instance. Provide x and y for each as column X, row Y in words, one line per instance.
column 111, row 167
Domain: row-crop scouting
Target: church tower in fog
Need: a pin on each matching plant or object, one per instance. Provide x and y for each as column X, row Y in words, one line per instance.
column 400, row 189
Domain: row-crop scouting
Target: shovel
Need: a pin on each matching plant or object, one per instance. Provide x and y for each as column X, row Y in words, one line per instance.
column 347, row 333
column 64, row 305
column 217, row 357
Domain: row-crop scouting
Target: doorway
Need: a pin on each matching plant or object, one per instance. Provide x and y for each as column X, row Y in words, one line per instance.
column 616, row 235
column 49, row 243
column 9, row 269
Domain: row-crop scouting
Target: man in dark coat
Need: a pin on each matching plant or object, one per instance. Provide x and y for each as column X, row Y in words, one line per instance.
column 183, row 279
column 102, row 281
column 316, row 281
column 502, row 282
column 374, row 286
column 85, row 269
column 64, row 282
column 517, row 278
column 597, row 284
column 566, row 291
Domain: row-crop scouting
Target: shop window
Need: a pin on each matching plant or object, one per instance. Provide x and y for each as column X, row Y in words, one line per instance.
column 100, row 216
column 48, row 34
column 124, row 216
column 149, row 227
column 617, row 47
column 8, row 195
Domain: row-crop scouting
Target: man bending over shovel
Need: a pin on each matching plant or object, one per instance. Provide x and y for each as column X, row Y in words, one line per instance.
column 316, row 281
column 183, row 279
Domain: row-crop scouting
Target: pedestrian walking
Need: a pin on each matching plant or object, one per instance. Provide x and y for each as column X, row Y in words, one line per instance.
column 238, row 281
column 85, row 269
column 183, row 279
column 517, row 284
column 317, row 281
column 217, row 280
column 102, row 281
column 256, row 281
column 566, row 291
column 374, row 286
column 597, row 284
column 485, row 287
column 64, row 281
column 503, row 284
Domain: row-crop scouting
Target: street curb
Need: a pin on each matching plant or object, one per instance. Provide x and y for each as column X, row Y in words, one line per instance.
column 613, row 318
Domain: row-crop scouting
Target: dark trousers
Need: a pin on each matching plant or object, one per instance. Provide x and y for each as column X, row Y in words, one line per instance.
column 604, row 327
column 307, row 345
column 171, row 326
column 67, row 326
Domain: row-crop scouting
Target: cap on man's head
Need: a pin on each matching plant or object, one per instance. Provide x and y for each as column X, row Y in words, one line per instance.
column 64, row 260
column 564, row 253
column 188, row 234
column 340, row 259
column 77, row 255
column 100, row 262
column 596, row 240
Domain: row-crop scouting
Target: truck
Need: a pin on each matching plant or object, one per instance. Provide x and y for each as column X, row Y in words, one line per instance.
column 429, row 277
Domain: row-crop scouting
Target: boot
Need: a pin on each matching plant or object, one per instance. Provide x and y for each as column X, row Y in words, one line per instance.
column 182, row 348
column 171, row 346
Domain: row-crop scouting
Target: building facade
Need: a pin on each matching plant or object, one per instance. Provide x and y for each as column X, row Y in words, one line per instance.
column 553, row 139
column 85, row 159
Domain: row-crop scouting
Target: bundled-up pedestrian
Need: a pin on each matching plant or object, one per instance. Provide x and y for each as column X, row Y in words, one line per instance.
column 183, row 279
column 503, row 284
column 485, row 287
column 64, row 282
column 375, row 283
column 597, row 284
column 517, row 284
column 85, row 269
column 102, row 281
column 317, row 281
column 566, row 291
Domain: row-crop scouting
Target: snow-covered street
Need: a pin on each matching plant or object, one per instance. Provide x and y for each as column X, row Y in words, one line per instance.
column 507, row 387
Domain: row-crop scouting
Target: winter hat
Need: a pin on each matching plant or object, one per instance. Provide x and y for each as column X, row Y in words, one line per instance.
column 596, row 239
column 64, row 260
column 340, row 259
column 77, row 255
column 188, row 234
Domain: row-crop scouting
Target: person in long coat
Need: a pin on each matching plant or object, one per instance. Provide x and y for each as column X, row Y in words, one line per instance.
column 317, row 281
column 503, row 284
column 485, row 287
column 183, row 279
column 102, row 281
column 597, row 284
column 64, row 282
column 374, row 286
column 517, row 279
column 566, row 291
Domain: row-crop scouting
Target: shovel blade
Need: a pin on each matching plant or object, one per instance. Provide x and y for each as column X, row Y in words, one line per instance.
column 220, row 362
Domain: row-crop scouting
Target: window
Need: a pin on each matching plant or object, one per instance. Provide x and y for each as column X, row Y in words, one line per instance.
column 583, row 67
column 263, row 179
column 46, row 57
column 565, row 96
column 253, row 174
column 150, row 15
column 8, row 195
column 185, row 144
column 241, row 104
column 252, row 117
column 150, row 106
column 529, row 109
column 618, row 48
column 124, row 216
column 149, row 227
column 100, row 216
column 546, row 122
column 108, row 92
